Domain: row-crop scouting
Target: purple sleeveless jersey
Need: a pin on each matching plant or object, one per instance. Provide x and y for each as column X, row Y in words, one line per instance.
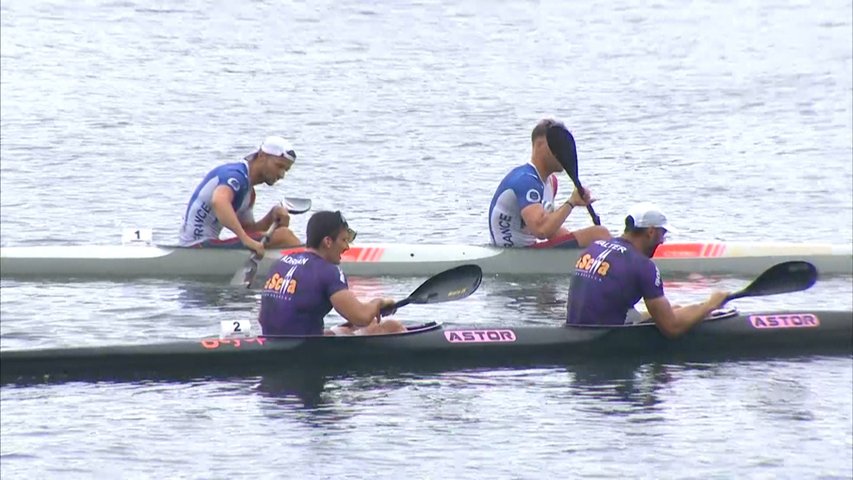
column 297, row 294
column 610, row 277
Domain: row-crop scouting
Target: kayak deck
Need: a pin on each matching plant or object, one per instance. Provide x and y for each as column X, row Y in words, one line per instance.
column 778, row 333
column 149, row 261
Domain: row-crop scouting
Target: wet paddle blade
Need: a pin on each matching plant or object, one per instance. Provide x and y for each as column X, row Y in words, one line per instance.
column 449, row 285
column 784, row 277
column 296, row 205
column 454, row 284
column 245, row 275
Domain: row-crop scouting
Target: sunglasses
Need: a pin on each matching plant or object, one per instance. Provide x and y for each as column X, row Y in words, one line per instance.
column 351, row 234
column 290, row 155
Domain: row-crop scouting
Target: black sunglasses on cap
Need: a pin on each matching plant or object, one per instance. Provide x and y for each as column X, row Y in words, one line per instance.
column 351, row 234
column 290, row 155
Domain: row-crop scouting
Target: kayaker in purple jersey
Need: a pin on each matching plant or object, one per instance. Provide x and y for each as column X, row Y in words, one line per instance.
column 611, row 276
column 302, row 288
column 226, row 197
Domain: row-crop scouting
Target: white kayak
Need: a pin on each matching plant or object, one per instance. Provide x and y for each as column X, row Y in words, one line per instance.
column 374, row 259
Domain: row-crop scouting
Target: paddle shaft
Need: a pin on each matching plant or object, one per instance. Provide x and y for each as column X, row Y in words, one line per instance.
column 595, row 218
column 389, row 309
column 266, row 237
column 251, row 266
column 735, row 296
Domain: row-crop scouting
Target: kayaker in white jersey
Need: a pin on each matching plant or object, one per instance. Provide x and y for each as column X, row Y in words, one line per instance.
column 522, row 212
column 225, row 198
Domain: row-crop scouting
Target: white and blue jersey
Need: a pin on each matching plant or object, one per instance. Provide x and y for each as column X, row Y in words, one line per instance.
column 521, row 187
column 200, row 222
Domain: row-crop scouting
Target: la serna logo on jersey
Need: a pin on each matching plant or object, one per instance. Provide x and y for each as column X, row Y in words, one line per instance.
column 234, row 183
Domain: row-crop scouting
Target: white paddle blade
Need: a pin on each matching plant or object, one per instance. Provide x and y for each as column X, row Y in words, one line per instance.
column 245, row 275
column 296, row 205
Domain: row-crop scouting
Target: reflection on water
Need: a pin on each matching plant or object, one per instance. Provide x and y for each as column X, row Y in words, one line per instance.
column 620, row 387
column 206, row 295
column 617, row 387
column 303, row 390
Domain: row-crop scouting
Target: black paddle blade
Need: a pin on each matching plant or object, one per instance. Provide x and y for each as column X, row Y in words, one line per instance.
column 562, row 145
column 454, row 284
column 784, row 277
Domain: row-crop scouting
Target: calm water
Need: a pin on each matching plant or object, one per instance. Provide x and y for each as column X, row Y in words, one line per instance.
column 735, row 116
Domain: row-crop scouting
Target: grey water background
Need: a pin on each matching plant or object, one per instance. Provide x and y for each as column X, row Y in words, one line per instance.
column 735, row 116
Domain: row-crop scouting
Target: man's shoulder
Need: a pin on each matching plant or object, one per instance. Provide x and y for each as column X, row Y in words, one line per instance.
column 645, row 267
column 525, row 174
column 235, row 174
column 523, row 169
column 317, row 263
column 239, row 169
column 330, row 272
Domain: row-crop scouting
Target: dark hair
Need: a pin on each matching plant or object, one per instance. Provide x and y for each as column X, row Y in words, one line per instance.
column 323, row 224
column 630, row 228
column 541, row 128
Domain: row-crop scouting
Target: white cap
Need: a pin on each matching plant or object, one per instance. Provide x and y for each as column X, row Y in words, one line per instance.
column 648, row 215
column 276, row 146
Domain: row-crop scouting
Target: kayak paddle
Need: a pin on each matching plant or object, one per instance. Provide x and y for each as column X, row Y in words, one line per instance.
column 296, row 205
column 245, row 275
column 562, row 144
column 784, row 277
column 454, row 284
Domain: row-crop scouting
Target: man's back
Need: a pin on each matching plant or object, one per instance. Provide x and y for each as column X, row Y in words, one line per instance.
column 297, row 294
column 610, row 277
column 200, row 222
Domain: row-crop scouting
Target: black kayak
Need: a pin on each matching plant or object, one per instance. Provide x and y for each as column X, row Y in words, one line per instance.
column 760, row 334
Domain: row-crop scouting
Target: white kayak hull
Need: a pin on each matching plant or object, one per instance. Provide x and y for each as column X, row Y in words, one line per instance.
column 146, row 261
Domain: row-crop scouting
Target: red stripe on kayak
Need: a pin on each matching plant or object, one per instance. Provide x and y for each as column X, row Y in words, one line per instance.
column 291, row 251
column 362, row 254
column 688, row 250
column 679, row 250
column 377, row 254
column 351, row 255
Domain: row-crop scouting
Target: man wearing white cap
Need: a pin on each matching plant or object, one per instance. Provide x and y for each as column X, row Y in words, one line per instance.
column 612, row 275
column 225, row 198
